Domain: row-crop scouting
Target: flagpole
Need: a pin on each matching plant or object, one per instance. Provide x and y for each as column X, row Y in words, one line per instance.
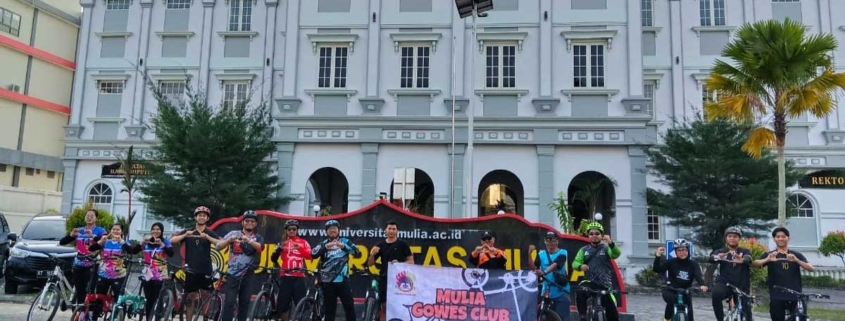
column 468, row 183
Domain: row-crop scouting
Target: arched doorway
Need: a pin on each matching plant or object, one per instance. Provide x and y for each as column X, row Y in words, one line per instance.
column 500, row 190
column 589, row 193
column 417, row 188
column 330, row 189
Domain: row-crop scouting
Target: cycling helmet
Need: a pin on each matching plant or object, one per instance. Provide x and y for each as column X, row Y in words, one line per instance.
column 291, row 222
column 681, row 243
column 331, row 223
column 595, row 226
column 249, row 214
column 734, row 230
column 202, row 209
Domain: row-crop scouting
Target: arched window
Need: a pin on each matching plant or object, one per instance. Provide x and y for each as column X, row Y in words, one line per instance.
column 800, row 206
column 100, row 194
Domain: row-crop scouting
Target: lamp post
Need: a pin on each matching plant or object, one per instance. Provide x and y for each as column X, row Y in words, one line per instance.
column 472, row 8
column 316, row 209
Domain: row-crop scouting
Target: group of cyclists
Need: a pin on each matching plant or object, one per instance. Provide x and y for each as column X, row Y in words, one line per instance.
column 245, row 245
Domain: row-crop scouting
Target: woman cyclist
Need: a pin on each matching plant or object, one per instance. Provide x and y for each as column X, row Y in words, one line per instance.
column 682, row 271
column 156, row 249
column 112, row 272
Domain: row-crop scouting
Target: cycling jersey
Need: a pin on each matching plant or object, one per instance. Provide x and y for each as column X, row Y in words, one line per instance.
column 291, row 257
column 156, row 270
column 111, row 266
column 600, row 260
column 334, row 261
column 738, row 274
column 241, row 254
column 681, row 272
column 83, row 241
column 196, row 252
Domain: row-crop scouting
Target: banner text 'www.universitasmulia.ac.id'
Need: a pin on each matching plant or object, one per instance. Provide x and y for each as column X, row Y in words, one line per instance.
column 379, row 233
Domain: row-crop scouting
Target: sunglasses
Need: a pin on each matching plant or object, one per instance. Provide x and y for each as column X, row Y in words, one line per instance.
column 291, row 229
column 595, row 234
column 485, row 239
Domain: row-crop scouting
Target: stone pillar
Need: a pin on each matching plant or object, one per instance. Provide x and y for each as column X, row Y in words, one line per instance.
column 368, row 174
column 205, row 51
column 269, row 49
column 74, row 127
column 68, row 181
column 546, row 183
column 456, row 195
column 639, row 210
column 284, row 170
column 635, row 50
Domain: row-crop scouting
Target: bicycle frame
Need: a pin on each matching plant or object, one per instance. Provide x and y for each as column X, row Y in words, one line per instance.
column 800, row 311
column 63, row 284
column 594, row 301
column 680, row 305
column 738, row 310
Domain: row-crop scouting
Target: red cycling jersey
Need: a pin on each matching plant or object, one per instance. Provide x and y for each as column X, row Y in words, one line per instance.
column 292, row 257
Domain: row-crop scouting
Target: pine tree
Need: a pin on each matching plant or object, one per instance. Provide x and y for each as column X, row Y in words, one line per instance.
column 210, row 156
column 712, row 183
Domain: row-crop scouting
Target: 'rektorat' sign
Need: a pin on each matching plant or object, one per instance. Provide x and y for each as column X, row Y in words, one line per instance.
column 434, row 241
column 827, row 179
column 115, row 170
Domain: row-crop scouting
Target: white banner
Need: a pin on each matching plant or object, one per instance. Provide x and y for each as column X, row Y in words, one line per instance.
column 416, row 292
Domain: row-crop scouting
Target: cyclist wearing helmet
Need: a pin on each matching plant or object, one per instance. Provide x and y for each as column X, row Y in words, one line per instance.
column 784, row 270
column 243, row 246
column 596, row 261
column 334, row 253
column 196, row 255
column 682, row 271
column 293, row 251
column 734, row 264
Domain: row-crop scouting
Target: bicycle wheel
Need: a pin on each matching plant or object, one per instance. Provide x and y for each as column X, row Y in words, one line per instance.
column 371, row 309
column 82, row 313
column 680, row 316
column 44, row 305
column 119, row 313
column 163, row 309
column 209, row 309
column 599, row 316
column 304, row 310
column 549, row 315
column 259, row 309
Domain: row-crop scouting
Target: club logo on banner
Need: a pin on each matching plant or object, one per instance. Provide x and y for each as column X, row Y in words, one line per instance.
column 460, row 294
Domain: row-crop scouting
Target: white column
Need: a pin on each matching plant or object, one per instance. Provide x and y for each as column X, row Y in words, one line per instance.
column 291, row 48
column 205, row 51
column 267, row 78
column 459, row 33
column 143, row 46
column 373, row 53
column 676, row 30
column 635, row 49
column 748, row 11
column 79, row 79
column 545, row 49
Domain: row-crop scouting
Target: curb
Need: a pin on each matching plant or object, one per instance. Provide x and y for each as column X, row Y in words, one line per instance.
column 16, row 298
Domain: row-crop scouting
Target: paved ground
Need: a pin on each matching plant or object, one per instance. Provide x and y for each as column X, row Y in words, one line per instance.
column 645, row 307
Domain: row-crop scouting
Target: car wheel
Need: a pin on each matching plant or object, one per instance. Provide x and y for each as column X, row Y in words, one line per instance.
column 11, row 287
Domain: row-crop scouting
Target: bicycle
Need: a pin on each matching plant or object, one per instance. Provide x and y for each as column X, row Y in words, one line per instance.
column 210, row 308
column 104, row 301
column 129, row 305
column 310, row 308
column 372, row 305
column 172, row 296
column 263, row 307
column 595, row 310
column 545, row 308
column 57, row 292
column 682, row 311
column 736, row 312
column 800, row 311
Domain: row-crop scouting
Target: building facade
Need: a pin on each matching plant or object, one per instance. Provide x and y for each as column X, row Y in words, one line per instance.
column 370, row 98
column 37, row 59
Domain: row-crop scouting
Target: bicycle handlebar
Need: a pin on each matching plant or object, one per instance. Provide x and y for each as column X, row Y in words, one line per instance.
column 742, row 294
column 681, row 290
column 600, row 291
column 803, row 295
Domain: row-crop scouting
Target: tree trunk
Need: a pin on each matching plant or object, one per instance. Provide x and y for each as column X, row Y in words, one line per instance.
column 128, row 217
column 781, row 186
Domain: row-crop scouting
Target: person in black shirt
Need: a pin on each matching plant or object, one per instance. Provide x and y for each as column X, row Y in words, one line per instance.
column 682, row 271
column 196, row 256
column 734, row 264
column 487, row 256
column 391, row 250
column 784, row 270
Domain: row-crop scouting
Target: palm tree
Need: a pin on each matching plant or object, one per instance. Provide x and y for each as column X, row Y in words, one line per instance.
column 776, row 71
column 128, row 165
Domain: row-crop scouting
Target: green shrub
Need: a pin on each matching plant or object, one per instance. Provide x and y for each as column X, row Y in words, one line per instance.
column 834, row 244
column 77, row 218
column 822, row 282
column 647, row 277
column 758, row 276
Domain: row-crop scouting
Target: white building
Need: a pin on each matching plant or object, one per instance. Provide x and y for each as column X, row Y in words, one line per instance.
column 562, row 89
